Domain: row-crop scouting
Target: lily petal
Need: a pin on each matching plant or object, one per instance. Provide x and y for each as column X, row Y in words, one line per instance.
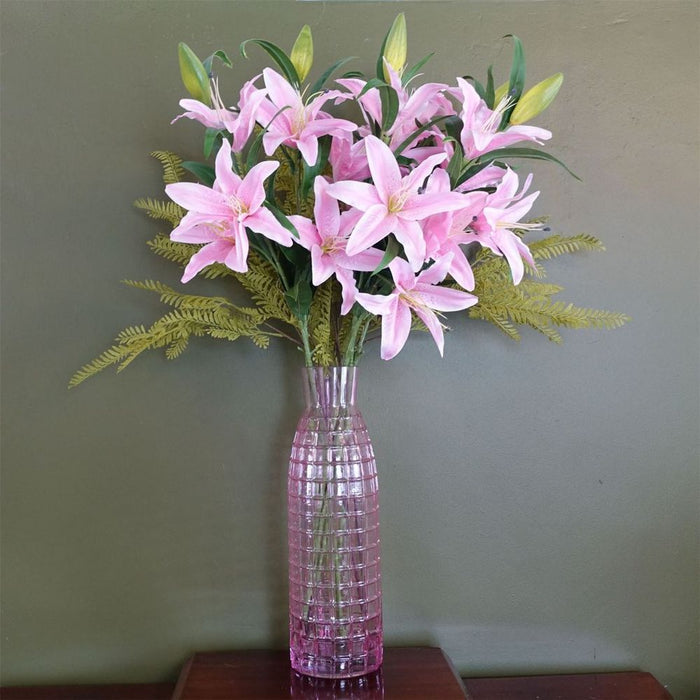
column 212, row 253
column 360, row 195
column 252, row 189
column 375, row 223
column 395, row 330
column 383, row 166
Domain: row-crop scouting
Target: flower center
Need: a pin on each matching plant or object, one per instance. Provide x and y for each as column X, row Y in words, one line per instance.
column 298, row 119
column 397, row 201
column 238, row 207
column 490, row 125
column 224, row 233
column 333, row 245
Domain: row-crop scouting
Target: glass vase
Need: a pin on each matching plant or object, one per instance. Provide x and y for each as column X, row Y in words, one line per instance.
column 335, row 600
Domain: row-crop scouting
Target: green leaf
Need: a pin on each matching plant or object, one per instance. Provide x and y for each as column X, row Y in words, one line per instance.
column 311, row 171
column 221, row 55
column 370, row 84
column 279, row 56
column 489, row 92
column 203, row 172
column 531, row 153
column 516, row 82
column 454, row 167
column 282, row 218
column 318, row 85
column 392, row 250
column 299, row 298
column 412, row 72
column 453, row 127
column 470, row 172
column 380, row 60
column 390, row 106
column 210, row 138
column 417, row 132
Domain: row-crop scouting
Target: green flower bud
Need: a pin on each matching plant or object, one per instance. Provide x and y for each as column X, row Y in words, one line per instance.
column 194, row 74
column 536, row 99
column 302, row 55
column 395, row 48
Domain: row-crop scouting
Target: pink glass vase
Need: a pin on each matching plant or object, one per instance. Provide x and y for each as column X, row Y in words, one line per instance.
column 335, row 599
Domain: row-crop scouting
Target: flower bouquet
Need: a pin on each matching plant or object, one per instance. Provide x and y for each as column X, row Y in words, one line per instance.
column 362, row 209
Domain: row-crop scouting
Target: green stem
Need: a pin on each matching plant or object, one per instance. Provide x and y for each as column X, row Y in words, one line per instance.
column 349, row 358
column 363, row 336
column 281, row 334
column 304, row 333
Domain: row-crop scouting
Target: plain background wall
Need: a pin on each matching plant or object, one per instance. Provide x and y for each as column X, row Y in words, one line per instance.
column 539, row 503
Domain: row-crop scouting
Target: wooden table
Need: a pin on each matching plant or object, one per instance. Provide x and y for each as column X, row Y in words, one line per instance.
column 408, row 673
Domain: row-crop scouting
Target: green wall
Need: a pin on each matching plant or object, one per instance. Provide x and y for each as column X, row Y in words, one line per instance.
column 539, row 503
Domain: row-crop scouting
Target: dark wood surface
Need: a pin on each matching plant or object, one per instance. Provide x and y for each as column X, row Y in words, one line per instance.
column 136, row 691
column 408, row 673
column 632, row 685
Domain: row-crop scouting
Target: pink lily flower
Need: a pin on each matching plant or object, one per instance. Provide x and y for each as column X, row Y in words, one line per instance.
column 502, row 212
column 299, row 125
column 348, row 160
column 447, row 232
column 480, row 132
column 218, row 216
column 238, row 123
column 419, row 294
column 419, row 106
column 327, row 240
column 393, row 204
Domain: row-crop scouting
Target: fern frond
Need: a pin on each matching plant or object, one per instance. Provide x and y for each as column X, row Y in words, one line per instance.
column 553, row 246
column 177, row 347
column 562, row 314
column 172, row 166
column 483, row 312
column 109, row 357
column 530, row 303
column 192, row 316
column 264, row 286
column 320, row 330
column 538, row 290
column 157, row 209
column 185, row 301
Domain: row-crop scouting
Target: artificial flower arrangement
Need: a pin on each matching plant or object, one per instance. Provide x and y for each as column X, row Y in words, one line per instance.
column 347, row 229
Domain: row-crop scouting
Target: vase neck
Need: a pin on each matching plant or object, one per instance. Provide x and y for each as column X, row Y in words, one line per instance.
column 329, row 387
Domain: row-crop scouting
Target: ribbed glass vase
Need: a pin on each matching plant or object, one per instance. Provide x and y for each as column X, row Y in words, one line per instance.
column 335, row 599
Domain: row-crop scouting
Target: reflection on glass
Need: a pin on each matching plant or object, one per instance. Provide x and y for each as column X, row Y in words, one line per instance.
column 370, row 687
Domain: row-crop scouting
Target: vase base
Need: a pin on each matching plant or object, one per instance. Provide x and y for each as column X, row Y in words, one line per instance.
column 346, row 660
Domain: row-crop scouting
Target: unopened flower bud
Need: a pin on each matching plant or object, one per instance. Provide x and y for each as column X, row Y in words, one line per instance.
column 194, row 74
column 536, row 99
column 395, row 48
column 302, row 55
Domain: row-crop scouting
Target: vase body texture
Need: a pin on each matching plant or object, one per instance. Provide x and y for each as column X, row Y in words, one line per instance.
column 335, row 600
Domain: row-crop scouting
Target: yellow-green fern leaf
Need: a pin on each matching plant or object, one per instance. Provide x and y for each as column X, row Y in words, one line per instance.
column 172, row 166
column 157, row 209
column 553, row 246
